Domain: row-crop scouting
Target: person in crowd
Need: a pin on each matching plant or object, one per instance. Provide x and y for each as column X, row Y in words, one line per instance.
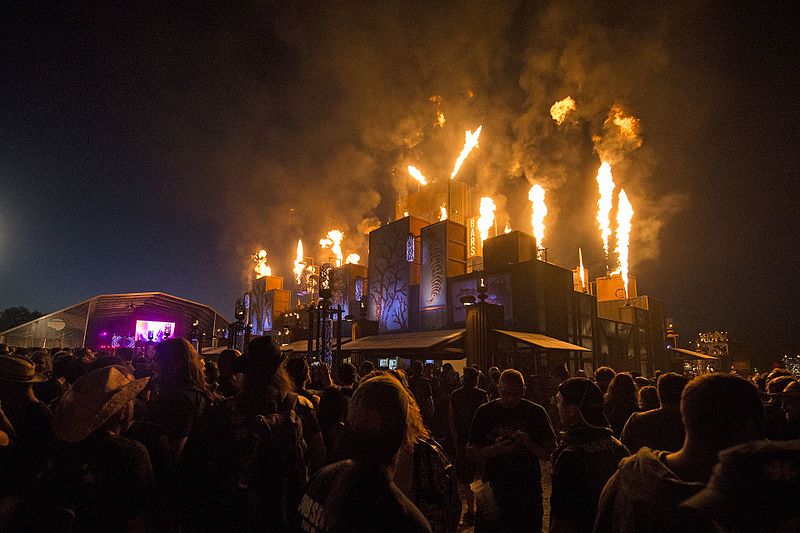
column 464, row 401
column 365, row 367
column 98, row 479
column 298, row 370
column 347, row 378
column 211, row 372
column 230, row 382
column 510, row 435
column 641, row 382
column 494, row 378
column 358, row 494
column 50, row 389
column 755, row 488
column 254, row 451
column 621, row 401
column 790, row 404
column 603, row 376
column 4, row 349
column 719, row 411
column 775, row 424
column 661, row 428
column 587, row 456
column 321, row 377
column 420, row 387
column 29, row 416
column 648, row 398
column 331, row 414
column 181, row 393
column 85, row 355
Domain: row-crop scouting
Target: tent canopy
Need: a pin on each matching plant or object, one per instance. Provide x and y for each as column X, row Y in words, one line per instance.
column 542, row 341
column 407, row 342
column 302, row 345
column 691, row 353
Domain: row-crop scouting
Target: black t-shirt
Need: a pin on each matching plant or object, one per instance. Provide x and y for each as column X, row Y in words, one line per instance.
column 583, row 463
column 349, row 496
column 177, row 411
column 421, row 389
column 463, row 404
column 518, row 471
column 658, row 429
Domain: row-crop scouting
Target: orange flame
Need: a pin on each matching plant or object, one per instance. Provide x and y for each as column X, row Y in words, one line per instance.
column 580, row 267
column 417, row 175
column 334, row 242
column 624, row 217
column 561, row 109
column 470, row 142
column 627, row 125
column 440, row 120
column 442, row 212
column 352, row 259
column 508, row 227
column 486, row 220
column 299, row 264
column 538, row 214
column 261, row 264
column 605, row 183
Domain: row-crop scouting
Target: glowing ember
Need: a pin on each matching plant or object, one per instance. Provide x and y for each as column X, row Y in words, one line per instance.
column 486, row 220
column 605, row 183
column 417, row 175
column 443, row 212
column 624, row 217
column 580, row 267
column 352, row 259
column 539, row 212
column 627, row 125
column 439, row 120
column 261, row 264
column 508, row 227
column 299, row 265
column 470, row 142
column 561, row 109
column 334, row 242
column 405, row 213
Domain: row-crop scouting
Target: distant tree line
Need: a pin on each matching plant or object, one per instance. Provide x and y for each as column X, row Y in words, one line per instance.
column 14, row 316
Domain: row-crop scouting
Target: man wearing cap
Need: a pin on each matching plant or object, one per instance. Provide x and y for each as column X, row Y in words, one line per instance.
column 585, row 459
column 99, row 480
column 510, row 435
column 359, row 494
column 28, row 415
column 719, row 411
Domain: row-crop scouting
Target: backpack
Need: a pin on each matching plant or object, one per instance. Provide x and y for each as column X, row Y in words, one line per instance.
column 436, row 486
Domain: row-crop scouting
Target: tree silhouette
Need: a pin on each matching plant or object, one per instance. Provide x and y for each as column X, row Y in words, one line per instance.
column 14, row 316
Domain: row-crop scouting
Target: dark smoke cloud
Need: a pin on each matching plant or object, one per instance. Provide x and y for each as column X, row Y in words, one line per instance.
column 316, row 109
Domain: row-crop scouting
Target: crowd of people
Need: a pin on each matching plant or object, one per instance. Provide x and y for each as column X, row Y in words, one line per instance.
column 264, row 442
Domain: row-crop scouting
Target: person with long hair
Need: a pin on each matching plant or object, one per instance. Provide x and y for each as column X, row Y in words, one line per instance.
column 181, row 392
column 621, row 402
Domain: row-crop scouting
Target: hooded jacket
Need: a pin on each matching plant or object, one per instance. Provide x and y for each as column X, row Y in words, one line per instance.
column 642, row 496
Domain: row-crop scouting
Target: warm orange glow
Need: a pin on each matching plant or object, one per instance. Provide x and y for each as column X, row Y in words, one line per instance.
column 352, row 259
column 624, row 217
column 508, row 227
column 470, row 142
column 417, row 175
column 334, row 242
column 299, row 265
column 561, row 109
column 442, row 212
column 440, row 120
column 605, row 183
column 628, row 125
column 261, row 264
column 486, row 220
column 580, row 267
column 538, row 213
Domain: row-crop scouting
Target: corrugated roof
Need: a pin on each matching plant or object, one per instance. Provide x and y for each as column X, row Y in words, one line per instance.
column 691, row 353
column 418, row 340
column 542, row 341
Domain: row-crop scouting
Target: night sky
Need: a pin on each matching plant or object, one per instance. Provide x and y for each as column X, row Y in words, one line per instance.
column 153, row 147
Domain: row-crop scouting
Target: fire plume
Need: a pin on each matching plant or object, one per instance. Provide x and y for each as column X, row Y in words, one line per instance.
column 627, row 126
column 417, row 175
column 470, row 142
column 561, row 109
column 605, row 183
column 442, row 212
column 486, row 220
column 334, row 242
column 299, row 265
column 624, row 217
column 352, row 259
column 261, row 264
column 538, row 214
column 508, row 227
column 440, row 120
column 580, row 267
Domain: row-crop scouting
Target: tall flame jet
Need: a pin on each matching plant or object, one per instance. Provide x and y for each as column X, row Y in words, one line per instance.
column 470, row 142
column 580, row 267
column 443, row 212
column 624, row 217
column 261, row 264
column 299, row 265
column 539, row 212
column 334, row 242
column 486, row 220
column 605, row 182
column 417, row 175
